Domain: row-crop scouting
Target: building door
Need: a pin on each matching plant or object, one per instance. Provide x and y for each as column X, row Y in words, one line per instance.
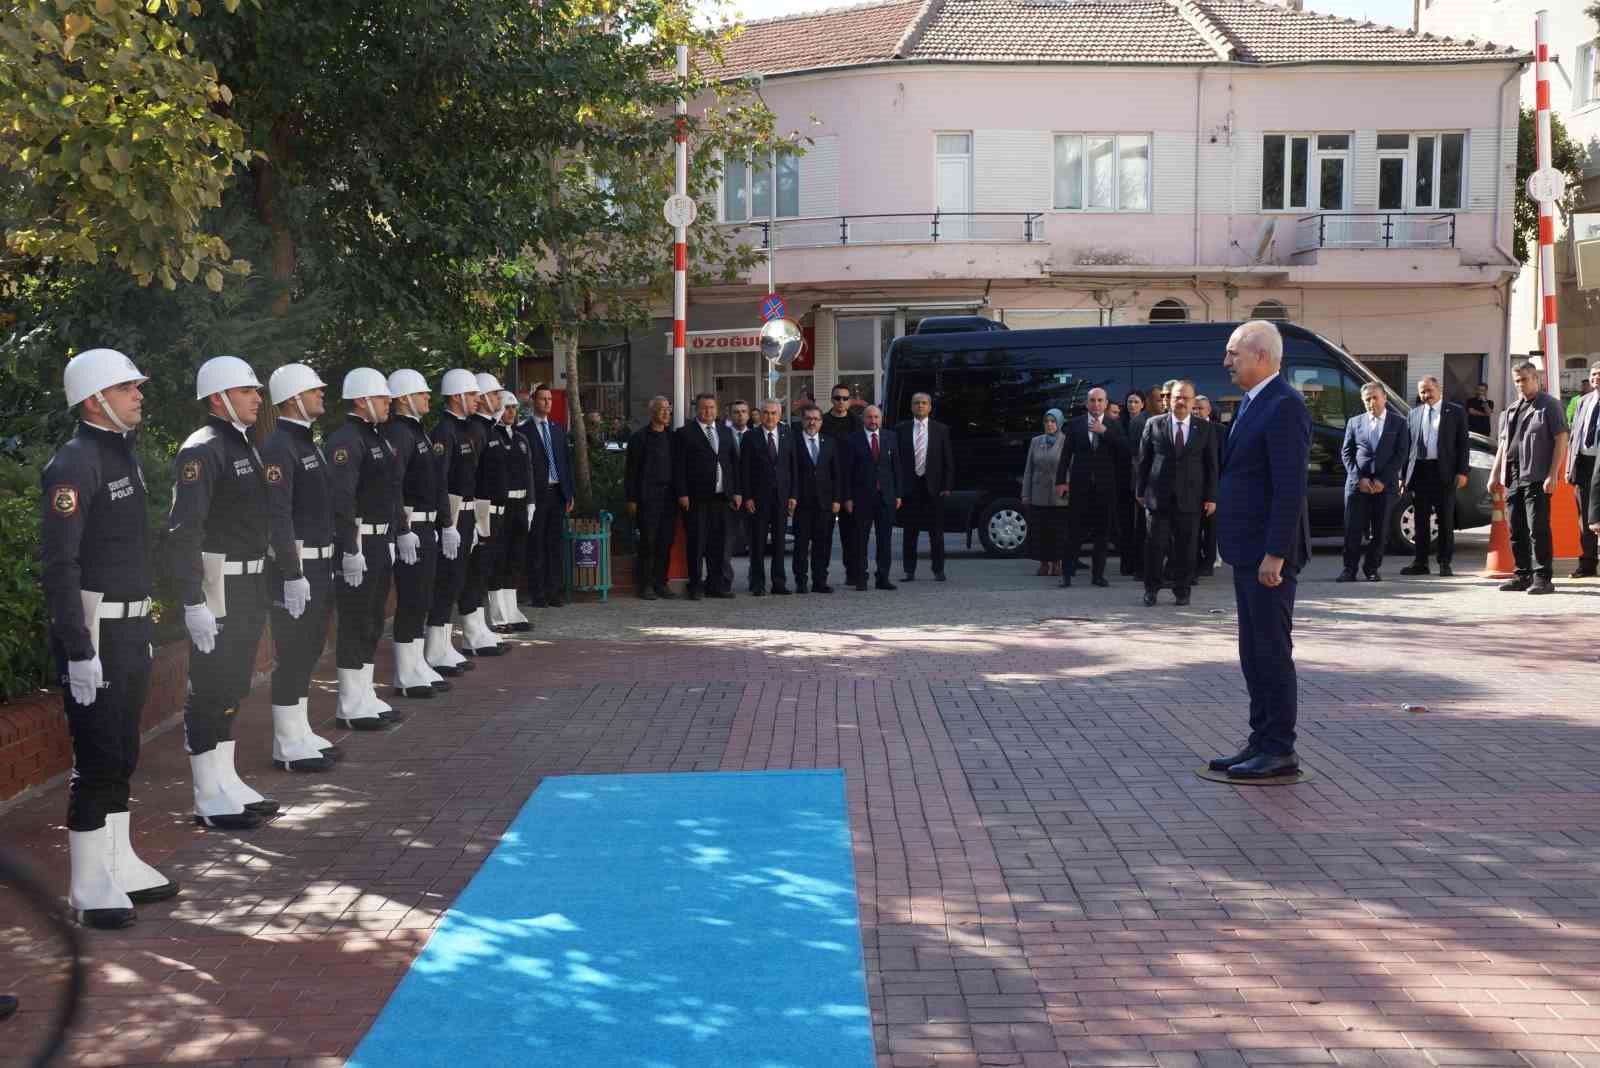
column 954, row 172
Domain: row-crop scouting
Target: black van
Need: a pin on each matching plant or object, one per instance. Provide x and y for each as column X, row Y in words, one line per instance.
column 992, row 390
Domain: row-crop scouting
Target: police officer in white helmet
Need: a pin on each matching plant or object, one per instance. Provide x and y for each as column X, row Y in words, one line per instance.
column 489, row 495
column 426, row 508
column 458, row 445
column 504, row 615
column 97, row 584
column 216, row 549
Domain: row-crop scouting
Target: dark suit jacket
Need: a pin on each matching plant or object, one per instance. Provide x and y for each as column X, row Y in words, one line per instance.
column 695, row 466
column 822, row 484
column 941, row 467
column 1261, row 495
column 1580, row 415
column 1385, row 462
column 1085, row 468
column 1455, row 447
column 762, row 479
column 1173, row 480
column 887, row 471
column 558, row 445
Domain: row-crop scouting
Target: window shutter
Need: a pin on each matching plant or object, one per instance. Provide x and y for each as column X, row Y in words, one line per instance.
column 1172, row 172
column 1011, row 170
column 1247, row 172
column 1216, row 178
column 1365, row 192
column 1486, row 172
column 826, row 359
column 819, row 178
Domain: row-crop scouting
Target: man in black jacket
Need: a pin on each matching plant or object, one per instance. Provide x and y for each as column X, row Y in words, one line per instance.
column 706, row 478
column 1091, row 473
column 767, row 476
column 819, row 488
column 839, row 422
column 647, row 487
column 1177, row 484
column 1436, row 468
column 927, row 475
column 874, row 496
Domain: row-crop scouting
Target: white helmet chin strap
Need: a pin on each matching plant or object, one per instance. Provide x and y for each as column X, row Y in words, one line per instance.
column 301, row 408
column 110, row 413
column 227, row 406
column 411, row 407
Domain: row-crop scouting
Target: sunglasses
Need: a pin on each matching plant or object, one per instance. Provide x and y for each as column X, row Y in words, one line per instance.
column 841, row 396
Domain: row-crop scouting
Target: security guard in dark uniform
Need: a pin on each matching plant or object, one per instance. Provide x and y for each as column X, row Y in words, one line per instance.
column 216, row 549
column 299, row 564
column 489, row 502
column 422, row 497
column 504, row 615
column 457, row 446
column 96, row 579
column 366, row 519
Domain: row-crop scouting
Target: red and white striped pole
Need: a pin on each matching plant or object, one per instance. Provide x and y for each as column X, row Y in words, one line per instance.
column 1547, row 205
column 680, row 255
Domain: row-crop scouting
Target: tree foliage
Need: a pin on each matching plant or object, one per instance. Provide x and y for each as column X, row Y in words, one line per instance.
column 1566, row 156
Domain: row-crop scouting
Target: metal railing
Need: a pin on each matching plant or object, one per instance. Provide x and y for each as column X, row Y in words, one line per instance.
column 1023, row 227
column 1374, row 230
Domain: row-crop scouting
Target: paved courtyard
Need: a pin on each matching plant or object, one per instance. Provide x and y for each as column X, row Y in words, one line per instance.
column 1043, row 880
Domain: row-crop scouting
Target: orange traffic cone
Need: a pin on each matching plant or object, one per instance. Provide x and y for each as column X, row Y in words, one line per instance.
column 1501, row 563
column 1566, row 526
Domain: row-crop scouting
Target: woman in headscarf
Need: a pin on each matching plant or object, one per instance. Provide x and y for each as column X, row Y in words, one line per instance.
column 1047, row 513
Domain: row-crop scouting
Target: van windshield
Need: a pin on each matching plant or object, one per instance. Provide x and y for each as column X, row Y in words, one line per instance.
column 1400, row 404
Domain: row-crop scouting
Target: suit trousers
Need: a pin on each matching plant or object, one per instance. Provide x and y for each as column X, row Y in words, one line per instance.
column 813, row 541
column 1133, row 543
column 220, row 679
column 361, row 608
column 1366, row 529
column 706, row 530
column 1432, row 497
column 1530, row 530
column 875, row 517
column 768, row 527
column 544, row 574
column 657, row 520
column 1266, row 657
column 413, row 586
column 1172, row 541
column 847, row 541
column 1208, row 542
column 1089, row 519
column 105, row 734
column 482, row 564
column 1586, row 537
column 450, row 576
column 298, row 643
column 924, row 511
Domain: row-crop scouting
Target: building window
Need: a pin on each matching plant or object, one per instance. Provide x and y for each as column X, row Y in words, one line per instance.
column 1102, row 172
column 1586, row 86
column 766, row 188
column 1169, row 311
column 862, row 341
column 1421, row 171
column 602, row 386
column 1305, row 172
column 1270, row 310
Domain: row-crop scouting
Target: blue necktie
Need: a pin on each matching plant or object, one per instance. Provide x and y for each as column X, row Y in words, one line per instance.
column 549, row 454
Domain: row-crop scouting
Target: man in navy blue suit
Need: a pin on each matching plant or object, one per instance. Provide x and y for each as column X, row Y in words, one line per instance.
column 1375, row 449
column 874, row 497
column 1265, row 537
column 552, row 499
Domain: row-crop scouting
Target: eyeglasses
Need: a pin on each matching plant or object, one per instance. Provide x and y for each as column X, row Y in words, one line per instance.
column 841, row 396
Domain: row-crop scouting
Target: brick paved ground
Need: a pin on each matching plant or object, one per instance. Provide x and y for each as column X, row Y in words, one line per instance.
column 1043, row 880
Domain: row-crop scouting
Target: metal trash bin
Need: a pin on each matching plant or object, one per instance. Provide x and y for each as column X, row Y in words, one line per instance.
column 588, row 555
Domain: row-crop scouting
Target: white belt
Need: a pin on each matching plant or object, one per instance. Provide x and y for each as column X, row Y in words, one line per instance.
column 497, row 509
column 124, row 609
column 243, row 567
column 374, row 528
column 426, row 517
column 517, row 495
column 316, row 552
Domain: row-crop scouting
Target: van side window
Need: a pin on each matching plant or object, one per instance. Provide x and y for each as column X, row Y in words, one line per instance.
column 1333, row 395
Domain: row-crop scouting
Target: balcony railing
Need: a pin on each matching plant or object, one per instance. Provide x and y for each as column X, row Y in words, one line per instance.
column 1374, row 230
column 911, row 228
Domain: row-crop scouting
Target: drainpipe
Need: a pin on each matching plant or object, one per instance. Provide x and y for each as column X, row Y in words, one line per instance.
column 1194, row 284
column 1199, row 82
column 1499, row 196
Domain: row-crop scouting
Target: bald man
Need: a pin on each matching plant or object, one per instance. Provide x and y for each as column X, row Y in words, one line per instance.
column 1093, row 475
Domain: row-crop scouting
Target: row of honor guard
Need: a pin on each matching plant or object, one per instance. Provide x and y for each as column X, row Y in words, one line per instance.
column 291, row 528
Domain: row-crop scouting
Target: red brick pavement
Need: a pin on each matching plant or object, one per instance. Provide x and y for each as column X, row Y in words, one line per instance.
column 1043, row 880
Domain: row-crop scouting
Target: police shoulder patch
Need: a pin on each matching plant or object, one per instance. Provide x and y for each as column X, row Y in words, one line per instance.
column 438, row 448
column 274, row 474
column 191, row 471
column 64, row 501
column 341, row 455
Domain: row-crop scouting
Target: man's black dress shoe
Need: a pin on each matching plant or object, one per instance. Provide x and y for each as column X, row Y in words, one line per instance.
column 694, row 594
column 861, row 587
column 152, row 894
column 365, row 723
column 1100, row 580
column 1582, row 572
column 1224, row 763
column 263, row 808
column 1066, row 579
column 938, row 576
column 1265, row 766
column 449, row 671
column 107, row 919
column 1149, row 598
column 1373, row 576
column 1207, row 572
column 665, row 593
column 440, row 686
column 822, row 587
column 780, row 591
column 8, row 1006
column 1419, row 569
column 885, row 584
column 1516, row 584
column 1541, row 585
column 758, row 593
column 1445, row 571
column 909, row 576
column 647, row 594
column 721, row 595
column 316, row 763
column 554, row 602
column 416, row 693
column 1180, row 597
column 801, row 586
column 487, row 650
column 228, row 821
column 1346, row 576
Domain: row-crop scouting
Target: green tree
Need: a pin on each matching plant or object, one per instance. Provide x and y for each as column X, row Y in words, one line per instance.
column 1566, row 155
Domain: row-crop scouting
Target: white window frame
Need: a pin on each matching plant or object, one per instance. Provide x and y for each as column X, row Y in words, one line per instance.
column 1314, row 157
column 1585, row 90
column 1409, row 154
column 750, row 190
column 1084, row 178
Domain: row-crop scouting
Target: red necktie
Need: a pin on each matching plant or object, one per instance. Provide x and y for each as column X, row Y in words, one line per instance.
column 874, row 438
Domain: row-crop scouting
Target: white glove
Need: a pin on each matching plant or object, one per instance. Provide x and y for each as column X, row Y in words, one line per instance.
column 391, row 554
column 354, row 566
column 84, row 678
column 296, row 595
column 472, row 539
column 450, row 542
column 407, row 545
column 202, row 626
column 530, row 515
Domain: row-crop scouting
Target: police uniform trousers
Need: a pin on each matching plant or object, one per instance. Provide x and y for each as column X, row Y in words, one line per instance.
column 220, row 679
column 413, row 585
column 544, row 574
column 361, row 607
column 450, row 576
column 298, row 643
column 658, row 526
column 517, row 548
column 105, row 734
column 483, row 563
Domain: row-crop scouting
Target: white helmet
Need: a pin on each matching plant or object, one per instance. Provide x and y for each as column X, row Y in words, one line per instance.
column 457, row 382
column 94, row 370
column 291, row 380
column 508, row 399
column 365, row 382
column 488, row 383
column 405, row 382
column 222, row 373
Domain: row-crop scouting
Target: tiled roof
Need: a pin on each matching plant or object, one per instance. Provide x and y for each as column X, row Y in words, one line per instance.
column 1086, row 31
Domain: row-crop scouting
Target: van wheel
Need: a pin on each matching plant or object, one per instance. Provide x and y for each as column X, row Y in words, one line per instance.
column 1403, row 527
column 1002, row 528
